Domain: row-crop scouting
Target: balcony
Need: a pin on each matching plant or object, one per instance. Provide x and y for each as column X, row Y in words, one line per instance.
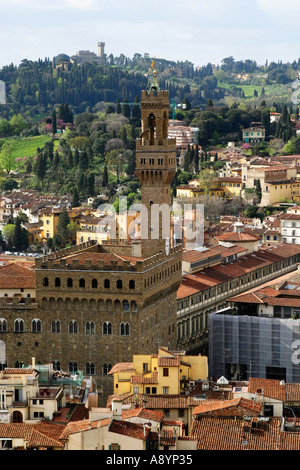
column 19, row 404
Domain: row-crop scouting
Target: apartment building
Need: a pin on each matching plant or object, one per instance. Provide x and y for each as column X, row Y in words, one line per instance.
column 290, row 225
column 165, row 373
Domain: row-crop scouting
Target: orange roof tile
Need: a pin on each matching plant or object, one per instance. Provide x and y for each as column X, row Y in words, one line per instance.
column 229, row 434
column 136, row 431
column 218, row 406
column 270, row 388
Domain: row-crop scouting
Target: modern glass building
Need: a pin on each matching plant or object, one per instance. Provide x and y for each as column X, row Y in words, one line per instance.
column 242, row 346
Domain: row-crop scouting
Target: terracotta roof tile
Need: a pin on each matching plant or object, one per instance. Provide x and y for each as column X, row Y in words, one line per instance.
column 36, row 435
column 83, row 425
column 122, row 367
column 136, row 431
column 144, row 414
column 17, row 276
column 143, row 379
column 169, row 361
column 234, row 407
column 229, row 434
column 270, row 388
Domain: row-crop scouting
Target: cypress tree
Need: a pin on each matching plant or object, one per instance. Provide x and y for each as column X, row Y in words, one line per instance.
column 63, row 222
column 75, row 198
column 17, row 240
column 105, row 177
column 54, row 122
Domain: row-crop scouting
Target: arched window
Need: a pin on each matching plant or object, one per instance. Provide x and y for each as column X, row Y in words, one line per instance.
column 73, row 327
column 81, row 283
column 69, row 282
column 119, row 284
column 73, row 367
column 45, row 282
column 107, row 328
column 133, row 306
column 94, row 284
column 131, row 284
column 3, row 325
column 106, row 284
column 19, row 326
column 106, row 368
column 55, row 326
column 56, row 365
column 125, row 305
column 90, row 328
column 90, row 368
column 125, row 329
column 36, row 326
column 57, row 282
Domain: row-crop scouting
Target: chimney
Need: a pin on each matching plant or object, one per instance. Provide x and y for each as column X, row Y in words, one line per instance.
column 33, row 363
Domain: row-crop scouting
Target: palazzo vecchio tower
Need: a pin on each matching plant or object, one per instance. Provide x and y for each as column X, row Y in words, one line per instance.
column 97, row 305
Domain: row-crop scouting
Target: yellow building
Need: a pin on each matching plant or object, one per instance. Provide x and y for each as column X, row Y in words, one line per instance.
column 109, row 227
column 223, row 187
column 165, row 373
column 231, row 185
column 49, row 218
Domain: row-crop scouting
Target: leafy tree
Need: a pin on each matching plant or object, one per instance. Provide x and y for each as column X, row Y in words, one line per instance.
column 72, row 229
column 9, row 233
column 49, row 243
column 62, row 226
column 205, row 178
column 7, row 157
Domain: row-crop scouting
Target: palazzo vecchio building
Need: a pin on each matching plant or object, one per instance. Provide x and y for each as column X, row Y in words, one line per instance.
column 97, row 305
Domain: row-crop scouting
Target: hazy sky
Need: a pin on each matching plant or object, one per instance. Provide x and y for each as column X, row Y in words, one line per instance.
column 201, row 31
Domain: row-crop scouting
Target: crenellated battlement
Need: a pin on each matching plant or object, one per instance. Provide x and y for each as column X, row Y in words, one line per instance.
column 147, row 96
column 58, row 261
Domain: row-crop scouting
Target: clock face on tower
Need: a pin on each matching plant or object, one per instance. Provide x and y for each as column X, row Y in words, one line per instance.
column 167, row 246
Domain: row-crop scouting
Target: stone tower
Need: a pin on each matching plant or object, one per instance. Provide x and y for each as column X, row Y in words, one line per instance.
column 101, row 46
column 155, row 168
column 97, row 305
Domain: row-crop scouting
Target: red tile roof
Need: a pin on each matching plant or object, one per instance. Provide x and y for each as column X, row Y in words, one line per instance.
column 35, row 435
column 268, row 387
column 234, row 407
column 95, row 257
column 122, row 367
column 143, row 413
column 169, row 361
column 208, row 277
column 136, row 431
column 142, row 379
column 238, row 237
column 229, row 434
column 17, row 276
column 83, row 425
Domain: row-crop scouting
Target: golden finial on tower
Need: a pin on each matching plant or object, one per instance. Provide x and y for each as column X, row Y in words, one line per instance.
column 154, row 85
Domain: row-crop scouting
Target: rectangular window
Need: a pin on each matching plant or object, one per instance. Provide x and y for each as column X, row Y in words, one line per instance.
column 166, row 390
column 165, row 372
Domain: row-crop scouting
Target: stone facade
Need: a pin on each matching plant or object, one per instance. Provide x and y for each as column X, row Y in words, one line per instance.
column 97, row 305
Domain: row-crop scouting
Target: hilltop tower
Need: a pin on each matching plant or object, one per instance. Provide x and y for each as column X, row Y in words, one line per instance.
column 101, row 46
